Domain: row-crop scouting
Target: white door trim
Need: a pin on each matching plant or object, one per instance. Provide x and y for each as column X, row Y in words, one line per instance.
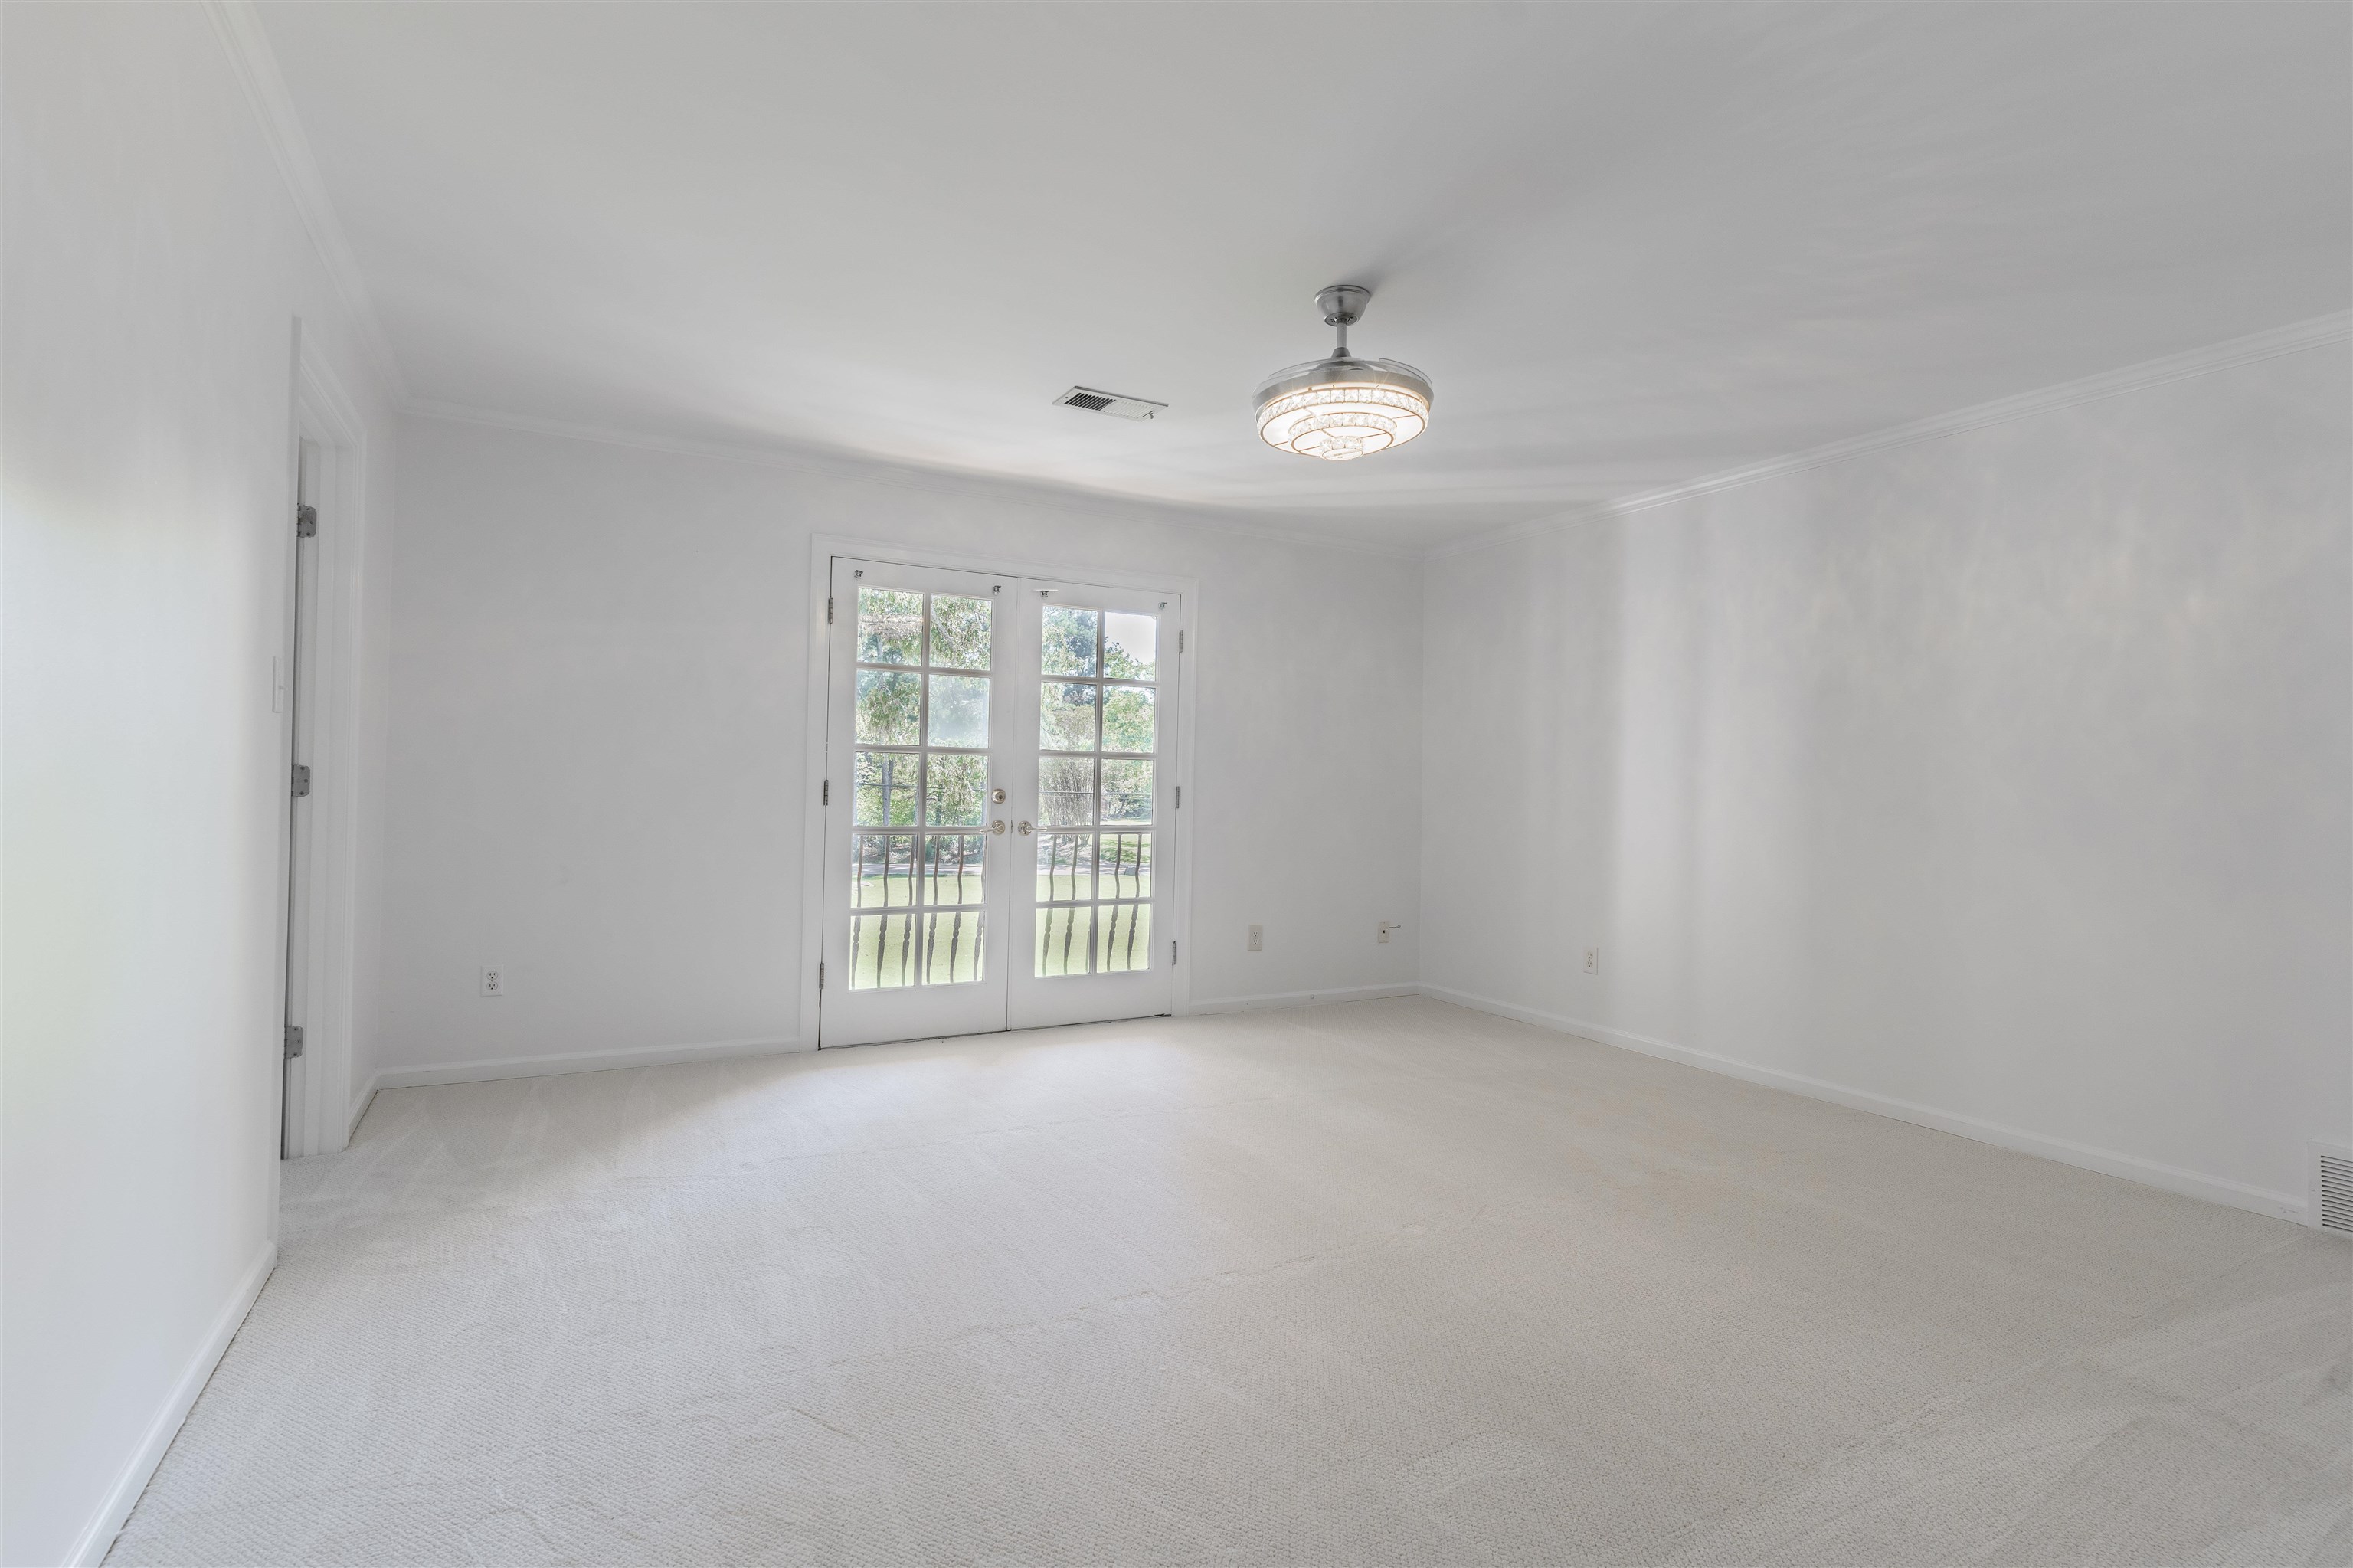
column 823, row 548
column 319, row 1118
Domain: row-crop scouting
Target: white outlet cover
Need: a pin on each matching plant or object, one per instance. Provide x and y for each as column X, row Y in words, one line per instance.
column 495, row 982
column 1257, row 938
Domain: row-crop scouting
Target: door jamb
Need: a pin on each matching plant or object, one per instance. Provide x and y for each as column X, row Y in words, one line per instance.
column 823, row 548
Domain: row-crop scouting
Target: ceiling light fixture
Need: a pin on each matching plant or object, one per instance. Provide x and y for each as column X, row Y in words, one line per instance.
column 1342, row 407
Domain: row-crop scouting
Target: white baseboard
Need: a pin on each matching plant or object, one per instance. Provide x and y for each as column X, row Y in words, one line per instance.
column 2108, row 1163
column 1299, row 998
column 98, row 1539
column 577, row 1062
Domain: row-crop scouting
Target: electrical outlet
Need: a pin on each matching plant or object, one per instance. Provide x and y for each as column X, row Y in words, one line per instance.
column 494, row 982
column 1593, row 961
column 1257, row 938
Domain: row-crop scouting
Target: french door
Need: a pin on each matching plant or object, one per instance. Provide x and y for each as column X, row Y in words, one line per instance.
column 1000, row 786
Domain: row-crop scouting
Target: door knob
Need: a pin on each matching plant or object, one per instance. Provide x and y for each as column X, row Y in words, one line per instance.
column 1025, row 827
column 998, row 826
column 997, row 796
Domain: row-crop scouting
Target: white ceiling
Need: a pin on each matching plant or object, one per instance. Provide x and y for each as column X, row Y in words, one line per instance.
column 1631, row 244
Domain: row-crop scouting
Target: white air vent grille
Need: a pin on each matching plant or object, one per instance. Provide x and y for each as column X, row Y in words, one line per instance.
column 1087, row 397
column 2332, row 1187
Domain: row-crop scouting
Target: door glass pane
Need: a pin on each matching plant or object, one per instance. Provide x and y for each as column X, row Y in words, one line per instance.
column 890, row 708
column 1130, row 643
column 1065, row 937
column 915, row 896
column 1066, row 717
column 959, row 788
column 887, row 789
column 1066, row 863
column 890, row 627
column 881, row 951
column 1066, row 791
column 959, row 710
column 1097, row 693
column 1127, row 718
column 882, row 871
column 951, row 867
column 960, row 632
column 1126, row 865
column 1069, row 640
column 1127, row 932
column 951, row 953
column 1127, row 791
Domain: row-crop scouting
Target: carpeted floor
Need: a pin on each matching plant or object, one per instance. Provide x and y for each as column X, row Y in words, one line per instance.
column 1386, row 1283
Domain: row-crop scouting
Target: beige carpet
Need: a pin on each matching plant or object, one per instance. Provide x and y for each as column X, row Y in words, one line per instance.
column 1388, row 1283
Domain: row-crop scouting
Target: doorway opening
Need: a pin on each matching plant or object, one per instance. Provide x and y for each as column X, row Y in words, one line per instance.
column 315, row 696
column 999, row 802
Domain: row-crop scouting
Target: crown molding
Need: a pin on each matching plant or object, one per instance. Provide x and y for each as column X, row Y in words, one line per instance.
column 2293, row 338
column 830, row 464
column 239, row 26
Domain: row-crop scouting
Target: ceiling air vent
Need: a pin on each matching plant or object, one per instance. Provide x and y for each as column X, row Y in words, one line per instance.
column 2332, row 1187
column 1109, row 403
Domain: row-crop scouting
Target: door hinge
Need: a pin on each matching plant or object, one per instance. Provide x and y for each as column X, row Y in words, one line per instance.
column 1180, row 640
column 306, row 521
column 1180, row 796
column 820, row 977
column 1172, row 953
column 301, row 780
column 293, row 1040
column 827, row 799
column 829, row 610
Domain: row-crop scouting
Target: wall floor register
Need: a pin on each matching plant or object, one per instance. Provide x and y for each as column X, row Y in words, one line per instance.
column 999, row 789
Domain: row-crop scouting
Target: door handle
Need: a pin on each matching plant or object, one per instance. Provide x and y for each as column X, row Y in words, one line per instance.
column 998, row 826
column 1025, row 827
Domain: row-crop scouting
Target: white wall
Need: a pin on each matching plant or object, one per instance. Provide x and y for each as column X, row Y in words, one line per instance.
column 2005, row 775
column 155, row 268
column 598, row 741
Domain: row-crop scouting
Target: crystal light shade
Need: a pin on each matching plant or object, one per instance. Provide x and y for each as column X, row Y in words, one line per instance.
column 1342, row 407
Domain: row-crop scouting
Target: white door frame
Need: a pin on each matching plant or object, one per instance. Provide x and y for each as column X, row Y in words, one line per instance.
column 320, row 1110
column 1178, row 845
